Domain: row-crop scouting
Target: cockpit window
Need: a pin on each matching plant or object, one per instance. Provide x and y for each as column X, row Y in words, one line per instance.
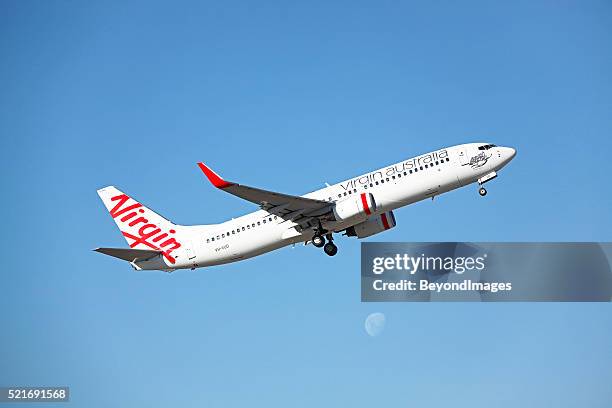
column 486, row 147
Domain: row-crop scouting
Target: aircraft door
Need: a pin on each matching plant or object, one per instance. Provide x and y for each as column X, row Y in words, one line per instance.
column 190, row 250
column 463, row 156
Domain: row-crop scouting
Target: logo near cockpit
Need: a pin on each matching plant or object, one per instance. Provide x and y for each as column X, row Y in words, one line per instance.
column 478, row 161
column 396, row 169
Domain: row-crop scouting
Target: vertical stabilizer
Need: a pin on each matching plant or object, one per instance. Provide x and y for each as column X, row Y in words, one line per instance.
column 141, row 227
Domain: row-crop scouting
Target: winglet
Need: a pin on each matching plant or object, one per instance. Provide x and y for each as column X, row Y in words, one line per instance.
column 214, row 177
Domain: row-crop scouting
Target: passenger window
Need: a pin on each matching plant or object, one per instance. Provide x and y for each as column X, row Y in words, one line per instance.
column 372, row 185
column 213, row 238
column 270, row 219
column 447, row 159
column 264, row 220
column 354, row 190
column 382, row 181
column 339, row 195
column 248, row 227
column 398, row 175
column 376, row 183
column 405, row 174
column 387, row 179
column 426, row 166
column 208, row 240
column 218, row 237
column 421, row 168
column 410, row 171
column 253, row 225
column 243, row 228
column 258, row 223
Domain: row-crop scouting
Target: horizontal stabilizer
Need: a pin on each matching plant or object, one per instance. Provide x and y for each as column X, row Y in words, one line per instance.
column 128, row 254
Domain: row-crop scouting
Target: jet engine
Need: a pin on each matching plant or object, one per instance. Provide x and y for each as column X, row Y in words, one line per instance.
column 372, row 225
column 357, row 208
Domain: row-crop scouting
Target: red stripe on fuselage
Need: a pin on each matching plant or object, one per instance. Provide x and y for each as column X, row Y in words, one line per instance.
column 383, row 217
column 364, row 202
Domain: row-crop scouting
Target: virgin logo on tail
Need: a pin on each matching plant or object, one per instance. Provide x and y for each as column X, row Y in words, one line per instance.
column 149, row 234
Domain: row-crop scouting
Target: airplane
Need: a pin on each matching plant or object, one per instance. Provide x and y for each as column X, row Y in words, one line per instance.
column 358, row 207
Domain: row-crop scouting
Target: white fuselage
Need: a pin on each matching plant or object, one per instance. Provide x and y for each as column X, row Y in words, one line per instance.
column 394, row 186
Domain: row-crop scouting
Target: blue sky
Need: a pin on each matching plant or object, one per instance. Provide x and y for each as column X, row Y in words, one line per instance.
column 287, row 97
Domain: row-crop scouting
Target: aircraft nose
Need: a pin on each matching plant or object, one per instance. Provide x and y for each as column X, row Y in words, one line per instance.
column 508, row 154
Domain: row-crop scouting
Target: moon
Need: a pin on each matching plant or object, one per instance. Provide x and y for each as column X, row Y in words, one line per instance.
column 374, row 324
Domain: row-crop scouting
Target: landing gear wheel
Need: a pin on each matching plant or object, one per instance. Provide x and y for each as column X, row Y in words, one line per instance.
column 318, row 241
column 330, row 249
column 482, row 191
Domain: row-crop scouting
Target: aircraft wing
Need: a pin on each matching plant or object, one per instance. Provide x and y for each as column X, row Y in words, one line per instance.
column 300, row 210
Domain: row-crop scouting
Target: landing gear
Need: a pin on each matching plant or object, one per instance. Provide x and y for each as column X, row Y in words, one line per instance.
column 318, row 241
column 330, row 249
column 482, row 191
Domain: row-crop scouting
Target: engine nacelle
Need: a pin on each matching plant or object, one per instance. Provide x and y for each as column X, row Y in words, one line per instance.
column 356, row 208
column 372, row 225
